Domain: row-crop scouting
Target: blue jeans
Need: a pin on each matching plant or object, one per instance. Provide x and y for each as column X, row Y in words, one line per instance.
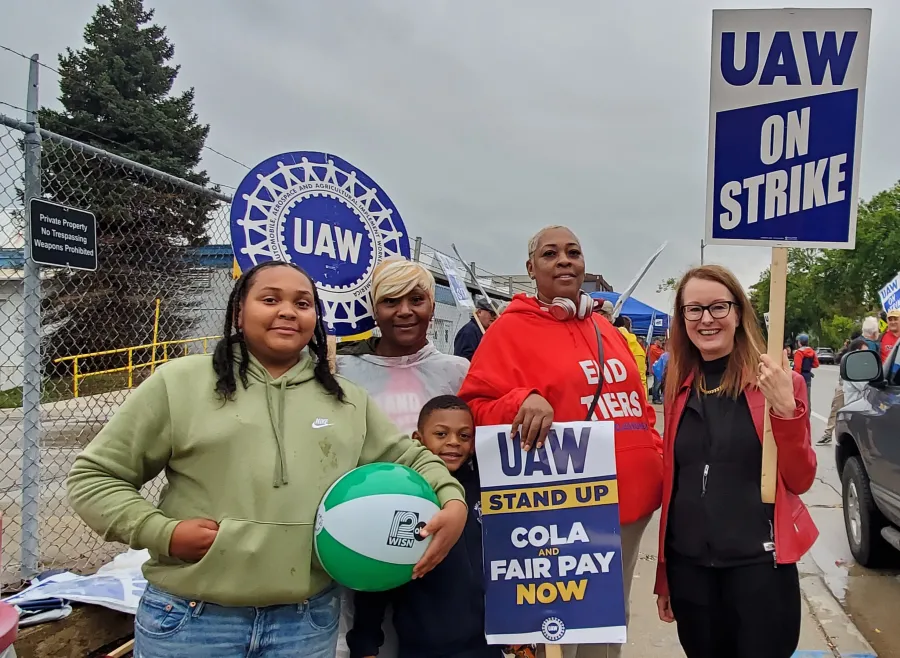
column 167, row 626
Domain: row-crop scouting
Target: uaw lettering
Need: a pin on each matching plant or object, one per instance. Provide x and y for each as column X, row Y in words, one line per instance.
column 890, row 294
column 322, row 213
column 786, row 101
column 552, row 543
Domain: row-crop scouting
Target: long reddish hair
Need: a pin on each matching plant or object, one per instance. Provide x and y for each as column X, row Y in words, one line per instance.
column 684, row 357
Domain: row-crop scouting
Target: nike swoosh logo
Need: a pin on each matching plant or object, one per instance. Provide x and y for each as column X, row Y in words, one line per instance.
column 319, row 424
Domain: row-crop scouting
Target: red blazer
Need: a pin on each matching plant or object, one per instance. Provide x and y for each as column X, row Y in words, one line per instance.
column 795, row 532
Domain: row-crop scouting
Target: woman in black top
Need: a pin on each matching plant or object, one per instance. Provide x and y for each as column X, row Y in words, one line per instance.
column 727, row 569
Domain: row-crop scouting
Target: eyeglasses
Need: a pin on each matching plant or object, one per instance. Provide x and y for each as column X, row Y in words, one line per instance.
column 717, row 311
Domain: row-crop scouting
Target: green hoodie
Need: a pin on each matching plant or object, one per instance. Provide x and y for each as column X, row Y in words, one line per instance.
column 257, row 465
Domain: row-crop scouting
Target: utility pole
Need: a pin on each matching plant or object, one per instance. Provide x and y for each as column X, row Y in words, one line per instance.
column 702, row 247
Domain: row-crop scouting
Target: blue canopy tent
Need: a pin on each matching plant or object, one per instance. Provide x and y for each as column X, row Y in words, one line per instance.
column 640, row 314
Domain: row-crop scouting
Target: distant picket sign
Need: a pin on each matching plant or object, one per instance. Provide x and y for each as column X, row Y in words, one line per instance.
column 786, row 113
column 890, row 294
column 457, row 282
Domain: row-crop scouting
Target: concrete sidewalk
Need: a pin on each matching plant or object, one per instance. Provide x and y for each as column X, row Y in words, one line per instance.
column 648, row 637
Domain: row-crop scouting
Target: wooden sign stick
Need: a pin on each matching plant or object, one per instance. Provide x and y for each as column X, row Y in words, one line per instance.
column 553, row 650
column 775, row 350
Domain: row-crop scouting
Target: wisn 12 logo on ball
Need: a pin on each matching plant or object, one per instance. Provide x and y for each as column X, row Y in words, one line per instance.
column 325, row 215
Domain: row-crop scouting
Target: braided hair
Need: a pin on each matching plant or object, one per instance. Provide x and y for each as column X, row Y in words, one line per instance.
column 223, row 355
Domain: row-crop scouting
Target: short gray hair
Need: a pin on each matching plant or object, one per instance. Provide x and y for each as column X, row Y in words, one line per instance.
column 533, row 242
column 870, row 327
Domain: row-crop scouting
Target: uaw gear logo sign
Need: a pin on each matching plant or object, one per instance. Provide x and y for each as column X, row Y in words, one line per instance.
column 325, row 215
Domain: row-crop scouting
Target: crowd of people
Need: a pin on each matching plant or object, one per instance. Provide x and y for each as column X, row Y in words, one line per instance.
column 251, row 438
column 868, row 337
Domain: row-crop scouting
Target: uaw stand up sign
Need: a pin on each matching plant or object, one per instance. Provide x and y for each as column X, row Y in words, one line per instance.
column 325, row 215
column 552, row 541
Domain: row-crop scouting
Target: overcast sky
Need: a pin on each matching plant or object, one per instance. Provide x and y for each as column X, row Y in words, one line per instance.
column 482, row 119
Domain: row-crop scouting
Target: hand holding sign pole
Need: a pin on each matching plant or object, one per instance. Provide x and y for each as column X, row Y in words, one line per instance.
column 787, row 91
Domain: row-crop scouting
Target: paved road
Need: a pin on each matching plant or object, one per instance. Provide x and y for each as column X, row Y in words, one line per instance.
column 871, row 598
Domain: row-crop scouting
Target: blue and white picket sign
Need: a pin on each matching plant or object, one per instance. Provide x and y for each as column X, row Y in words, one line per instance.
column 325, row 215
column 890, row 294
column 785, row 128
column 552, row 541
column 457, row 281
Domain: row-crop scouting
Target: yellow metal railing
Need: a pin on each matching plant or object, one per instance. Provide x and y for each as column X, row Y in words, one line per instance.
column 78, row 375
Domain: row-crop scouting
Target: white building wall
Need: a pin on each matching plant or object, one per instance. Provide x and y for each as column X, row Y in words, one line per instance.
column 10, row 333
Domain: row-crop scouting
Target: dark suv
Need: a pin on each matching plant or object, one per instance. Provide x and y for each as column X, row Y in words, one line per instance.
column 867, row 451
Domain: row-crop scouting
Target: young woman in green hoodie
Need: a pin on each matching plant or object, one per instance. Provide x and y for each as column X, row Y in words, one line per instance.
column 249, row 439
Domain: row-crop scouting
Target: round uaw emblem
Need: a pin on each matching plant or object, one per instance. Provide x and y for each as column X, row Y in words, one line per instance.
column 325, row 215
column 553, row 629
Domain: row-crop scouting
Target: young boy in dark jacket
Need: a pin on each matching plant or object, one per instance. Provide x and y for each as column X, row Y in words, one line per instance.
column 442, row 614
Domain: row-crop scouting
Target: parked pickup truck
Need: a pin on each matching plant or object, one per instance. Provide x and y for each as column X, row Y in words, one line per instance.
column 867, row 450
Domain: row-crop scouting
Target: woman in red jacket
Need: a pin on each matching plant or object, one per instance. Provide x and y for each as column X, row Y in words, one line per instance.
column 539, row 364
column 727, row 570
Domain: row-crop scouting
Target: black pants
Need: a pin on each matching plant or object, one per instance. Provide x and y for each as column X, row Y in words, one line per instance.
column 738, row 612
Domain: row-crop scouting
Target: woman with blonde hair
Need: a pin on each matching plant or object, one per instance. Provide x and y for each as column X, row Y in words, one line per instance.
column 401, row 369
column 726, row 571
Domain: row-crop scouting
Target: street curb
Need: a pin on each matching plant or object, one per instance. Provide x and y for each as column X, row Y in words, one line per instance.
column 842, row 635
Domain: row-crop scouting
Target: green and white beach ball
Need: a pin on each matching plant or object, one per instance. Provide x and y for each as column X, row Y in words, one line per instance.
column 368, row 523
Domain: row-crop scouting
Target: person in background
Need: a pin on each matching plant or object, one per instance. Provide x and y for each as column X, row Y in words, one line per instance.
column 726, row 569
column 853, row 391
column 238, row 433
column 606, row 310
column 870, row 326
column 656, row 350
column 401, row 370
column 659, row 377
column 623, row 324
column 869, row 334
column 643, row 343
column 539, row 364
column 441, row 614
column 805, row 361
column 889, row 339
column 469, row 337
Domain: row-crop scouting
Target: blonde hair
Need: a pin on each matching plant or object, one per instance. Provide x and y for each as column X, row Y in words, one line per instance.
column 684, row 357
column 533, row 242
column 397, row 277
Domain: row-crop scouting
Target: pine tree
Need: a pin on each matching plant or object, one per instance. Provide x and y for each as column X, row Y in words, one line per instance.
column 116, row 92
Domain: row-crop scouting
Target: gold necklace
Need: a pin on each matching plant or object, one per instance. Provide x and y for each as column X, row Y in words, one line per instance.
column 711, row 391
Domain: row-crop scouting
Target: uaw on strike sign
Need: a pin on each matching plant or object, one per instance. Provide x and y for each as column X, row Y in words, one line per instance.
column 786, row 109
column 552, row 542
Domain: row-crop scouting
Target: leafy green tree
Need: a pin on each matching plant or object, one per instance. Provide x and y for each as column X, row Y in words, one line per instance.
column 835, row 330
column 667, row 285
column 116, row 92
column 830, row 291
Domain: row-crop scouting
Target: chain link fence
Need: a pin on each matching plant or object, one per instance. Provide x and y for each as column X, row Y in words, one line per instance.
column 74, row 343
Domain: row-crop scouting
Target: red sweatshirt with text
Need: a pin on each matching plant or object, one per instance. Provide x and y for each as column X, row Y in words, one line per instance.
column 527, row 351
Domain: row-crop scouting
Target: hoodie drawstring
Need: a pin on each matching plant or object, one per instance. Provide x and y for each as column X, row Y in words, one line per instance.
column 276, row 416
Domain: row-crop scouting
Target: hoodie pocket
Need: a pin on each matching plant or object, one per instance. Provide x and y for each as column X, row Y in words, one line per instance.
column 252, row 563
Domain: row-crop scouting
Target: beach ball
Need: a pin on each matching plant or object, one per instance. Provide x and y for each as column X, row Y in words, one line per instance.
column 368, row 524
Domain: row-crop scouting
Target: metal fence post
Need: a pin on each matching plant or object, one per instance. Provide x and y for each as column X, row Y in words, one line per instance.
column 31, row 346
column 417, row 250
